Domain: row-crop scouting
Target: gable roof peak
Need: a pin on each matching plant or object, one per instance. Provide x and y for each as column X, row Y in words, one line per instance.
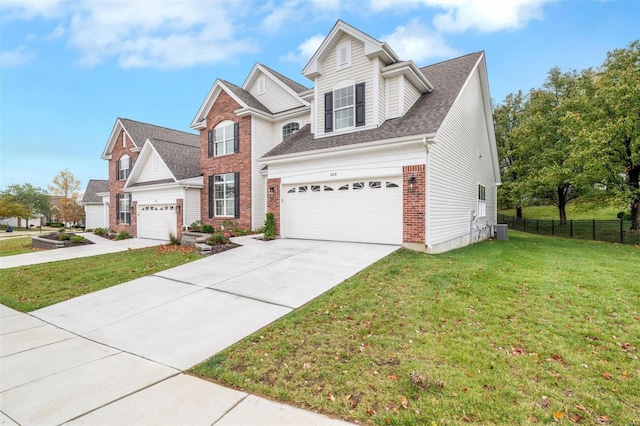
column 372, row 48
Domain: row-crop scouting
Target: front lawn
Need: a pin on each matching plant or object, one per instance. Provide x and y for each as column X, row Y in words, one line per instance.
column 533, row 329
column 27, row 288
column 18, row 245
column 574, row 211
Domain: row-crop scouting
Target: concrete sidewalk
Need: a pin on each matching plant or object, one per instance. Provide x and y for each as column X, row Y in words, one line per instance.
column 100, row 246
column 116, row 356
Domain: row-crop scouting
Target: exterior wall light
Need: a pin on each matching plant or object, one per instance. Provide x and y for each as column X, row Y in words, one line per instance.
column 412, row 183
column 272, row 191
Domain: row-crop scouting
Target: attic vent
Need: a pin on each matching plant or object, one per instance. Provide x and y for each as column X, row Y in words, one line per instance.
column 261, row 84
column 343, row 55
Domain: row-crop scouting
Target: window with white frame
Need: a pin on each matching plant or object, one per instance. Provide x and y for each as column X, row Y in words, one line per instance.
column 124, row 167
column 224, row 138
column 482, row 201
column 225, row 194
column 289, row 129
column 124, row 208
column 343, row 107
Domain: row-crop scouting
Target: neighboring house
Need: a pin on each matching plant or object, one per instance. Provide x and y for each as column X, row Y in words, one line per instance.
column 154, row 180
column 379, row 150
column 96, row 204
column 18, row 222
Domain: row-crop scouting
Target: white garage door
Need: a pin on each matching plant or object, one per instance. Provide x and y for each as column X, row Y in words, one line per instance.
column 361, row 210
column 157, row 221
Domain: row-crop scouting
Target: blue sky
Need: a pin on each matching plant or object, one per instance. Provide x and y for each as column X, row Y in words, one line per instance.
column 69, row 68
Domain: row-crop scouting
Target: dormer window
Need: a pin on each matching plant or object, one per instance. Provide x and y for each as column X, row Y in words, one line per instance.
column 343, row 55
column 124, row 167
column 344, row 107
column 289, row 129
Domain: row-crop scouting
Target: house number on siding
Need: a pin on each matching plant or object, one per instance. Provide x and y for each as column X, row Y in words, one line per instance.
column 333, row 174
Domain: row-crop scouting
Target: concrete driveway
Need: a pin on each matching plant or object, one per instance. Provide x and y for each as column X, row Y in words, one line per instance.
column 116, row 356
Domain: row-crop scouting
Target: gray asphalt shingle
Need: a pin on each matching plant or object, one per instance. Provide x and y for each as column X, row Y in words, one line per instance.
column 94, row 187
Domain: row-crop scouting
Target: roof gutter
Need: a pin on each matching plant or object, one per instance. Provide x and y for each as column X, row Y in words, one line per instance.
column 424, row 140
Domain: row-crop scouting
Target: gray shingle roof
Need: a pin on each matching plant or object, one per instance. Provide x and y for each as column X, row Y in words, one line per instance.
column 94, row 187
column 246, row 97
column 141, row 131
column 183, row 159
column 296, row 87
column 424, row 117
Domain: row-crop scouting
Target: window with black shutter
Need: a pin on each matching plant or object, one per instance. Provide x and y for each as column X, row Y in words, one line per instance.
column 236, row 182
column 210, row 196
column 360, row 104
column 210, row 143
column 328, row 112
column 236, row 137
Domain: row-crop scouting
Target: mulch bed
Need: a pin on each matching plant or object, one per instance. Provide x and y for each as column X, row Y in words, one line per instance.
column 67, row 243
column 219, row 248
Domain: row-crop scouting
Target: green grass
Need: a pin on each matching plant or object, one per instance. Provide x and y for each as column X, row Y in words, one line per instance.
column 11, row 246
column 519, row 331
column 32, row 287
column 574, row 211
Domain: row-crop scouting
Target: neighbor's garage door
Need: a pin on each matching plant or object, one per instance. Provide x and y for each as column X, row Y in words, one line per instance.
column 361, row 210
column 156, row 221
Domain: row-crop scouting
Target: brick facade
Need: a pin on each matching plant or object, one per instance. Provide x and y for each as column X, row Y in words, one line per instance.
column 414, row 204
column 223, row 109
column 179, row 217
column 273, row 201
column 115, row 185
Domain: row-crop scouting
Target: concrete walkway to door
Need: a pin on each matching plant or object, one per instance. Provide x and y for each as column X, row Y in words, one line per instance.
column 116, row 356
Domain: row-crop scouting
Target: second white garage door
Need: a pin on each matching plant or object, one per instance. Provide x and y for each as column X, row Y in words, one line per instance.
column 157, row 221
column 359, row 210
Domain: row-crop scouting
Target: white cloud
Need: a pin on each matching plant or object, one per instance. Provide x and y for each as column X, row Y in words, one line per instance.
column 280, row 16
column 156, row 34
column 464, row 15
column 16, row 58
column 29, row 9
column 305, row 50
column 60, row 31
column 418, row 43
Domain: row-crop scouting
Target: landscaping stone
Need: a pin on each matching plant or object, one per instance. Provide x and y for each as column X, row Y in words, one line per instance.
column 203, row 249
column 53, row 241
column 191, row 238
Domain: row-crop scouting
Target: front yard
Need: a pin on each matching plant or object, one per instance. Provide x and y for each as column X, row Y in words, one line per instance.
column 32, row 287
column 529, row 330
column 18, row 245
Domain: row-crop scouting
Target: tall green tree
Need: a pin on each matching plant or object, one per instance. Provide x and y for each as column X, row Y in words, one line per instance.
column 507, row 118
column 67, row 187
column 34, row 200
column 547, row 149
column 605, row 121
column 10, row 208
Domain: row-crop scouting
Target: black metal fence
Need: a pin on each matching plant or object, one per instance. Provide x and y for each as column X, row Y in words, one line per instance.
column 613, row 231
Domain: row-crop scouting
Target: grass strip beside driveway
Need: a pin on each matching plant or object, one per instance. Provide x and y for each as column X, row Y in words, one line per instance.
column 19, row 245
column 33, row 287
column 533, row 329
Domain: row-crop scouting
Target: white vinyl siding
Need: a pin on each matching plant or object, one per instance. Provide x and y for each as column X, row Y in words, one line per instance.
column 411, row 95
column 382, row 96
column 459, row 160
column 393, row 97
column 274, row 97
column 360, row 71
column 264, row 136
column 94, row 216
column 191, row 205
column 149, row 174
column 157, row 195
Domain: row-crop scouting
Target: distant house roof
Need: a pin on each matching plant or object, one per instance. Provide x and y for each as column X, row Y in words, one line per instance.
column 94, row 187
column 246, row 97
column 140, row 132
column 182, row 158
column 296, row 87
column 424, row 117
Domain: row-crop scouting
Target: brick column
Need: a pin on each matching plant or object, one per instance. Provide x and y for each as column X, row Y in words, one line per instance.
column 179, row 218
column 273, row 201
column 133, row 226
column 414, row 204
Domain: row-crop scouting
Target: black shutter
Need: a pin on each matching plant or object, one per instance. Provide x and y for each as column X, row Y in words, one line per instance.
column 236, row 137
column 118, row 169
column 328, row 112
column 118, row 207
column 210, row 143
column 210, row 195
column 360, row 104
column 236, row 195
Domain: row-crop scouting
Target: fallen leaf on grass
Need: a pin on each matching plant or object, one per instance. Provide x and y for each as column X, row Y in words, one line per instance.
column 558, row 415
column 602, row 419
column 331, row 397
column 581, row 407
column 533, row 419
column 606, row 376
column 392, row 377
column 370, row 411
column 404, row 402
column 576, row 418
